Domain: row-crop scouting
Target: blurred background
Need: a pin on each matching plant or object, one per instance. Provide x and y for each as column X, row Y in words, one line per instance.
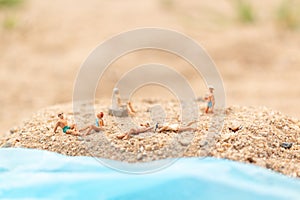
column 255, row 45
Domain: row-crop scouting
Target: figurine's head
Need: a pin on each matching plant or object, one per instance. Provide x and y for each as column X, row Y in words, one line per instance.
column 60, row 115
column 100, row 115
column 116, row 91
column 211, row 88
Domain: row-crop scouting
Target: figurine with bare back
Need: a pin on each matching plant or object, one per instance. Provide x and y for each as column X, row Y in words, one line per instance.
column 98, row 126
column 63, row 124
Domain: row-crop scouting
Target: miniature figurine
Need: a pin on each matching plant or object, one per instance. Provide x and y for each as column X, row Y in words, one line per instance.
column 210, row 99
column 164, row 128
column 116, row 99
column 98, row 125
column 128, row 134
column 173, row 128
column 63, row 124
column 117, row 108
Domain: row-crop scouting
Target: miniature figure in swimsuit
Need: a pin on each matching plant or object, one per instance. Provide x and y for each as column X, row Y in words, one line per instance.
column 132, row 131
column 63, row 124
column 210, row 99
column 98, row 126
column 173, row 128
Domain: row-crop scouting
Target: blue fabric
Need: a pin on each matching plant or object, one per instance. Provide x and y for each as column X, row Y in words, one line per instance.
column 97, row 122
column 36, row 174
column 209, row 104
column 66, row 128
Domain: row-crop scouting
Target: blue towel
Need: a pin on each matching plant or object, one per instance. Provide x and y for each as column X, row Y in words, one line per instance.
column 36, row 174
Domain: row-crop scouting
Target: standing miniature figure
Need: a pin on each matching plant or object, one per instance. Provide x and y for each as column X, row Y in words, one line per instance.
column 210, row 99
column 63, row 124
column 98, row 125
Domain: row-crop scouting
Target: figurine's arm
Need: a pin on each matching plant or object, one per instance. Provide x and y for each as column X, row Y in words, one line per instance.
column 101, row 122
column 56, row 126
column 206, row 97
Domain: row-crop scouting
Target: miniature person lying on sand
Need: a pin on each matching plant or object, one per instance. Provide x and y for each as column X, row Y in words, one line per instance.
column 210, row 99
column 165, row 128
column 133, row 131
column 98, row 125
column 63, row 123
column 174, row 128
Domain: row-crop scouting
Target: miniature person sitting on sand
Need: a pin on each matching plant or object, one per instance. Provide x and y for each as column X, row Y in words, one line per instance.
column 133, row 131
column 63, row 124
column 118, row 109
column 210, row 99
column 98, row 125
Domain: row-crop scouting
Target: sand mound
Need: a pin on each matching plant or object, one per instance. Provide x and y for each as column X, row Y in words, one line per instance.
column 249, row 134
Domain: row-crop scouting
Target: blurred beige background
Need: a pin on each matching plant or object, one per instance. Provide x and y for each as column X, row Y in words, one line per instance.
column 255, row 46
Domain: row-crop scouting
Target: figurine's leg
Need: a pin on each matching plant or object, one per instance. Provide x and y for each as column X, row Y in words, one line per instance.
column 126, row 135
column 96, row 128
column 143, row 130
column 164, row 128
column 131, row 132
column 89, row 131
column 206, row 109
column 186, row 129
column 122, row 135
column 83, row 129
column 73, row 127
column 72, row 132
column 212, row 109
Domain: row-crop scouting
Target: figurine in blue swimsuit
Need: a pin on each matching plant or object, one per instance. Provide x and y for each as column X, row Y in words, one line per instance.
column 98, row 126
column 63, row 124
column 210, row 99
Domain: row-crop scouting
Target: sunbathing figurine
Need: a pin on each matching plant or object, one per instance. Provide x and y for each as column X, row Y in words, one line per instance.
column 63, row 124
column 98, row 126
